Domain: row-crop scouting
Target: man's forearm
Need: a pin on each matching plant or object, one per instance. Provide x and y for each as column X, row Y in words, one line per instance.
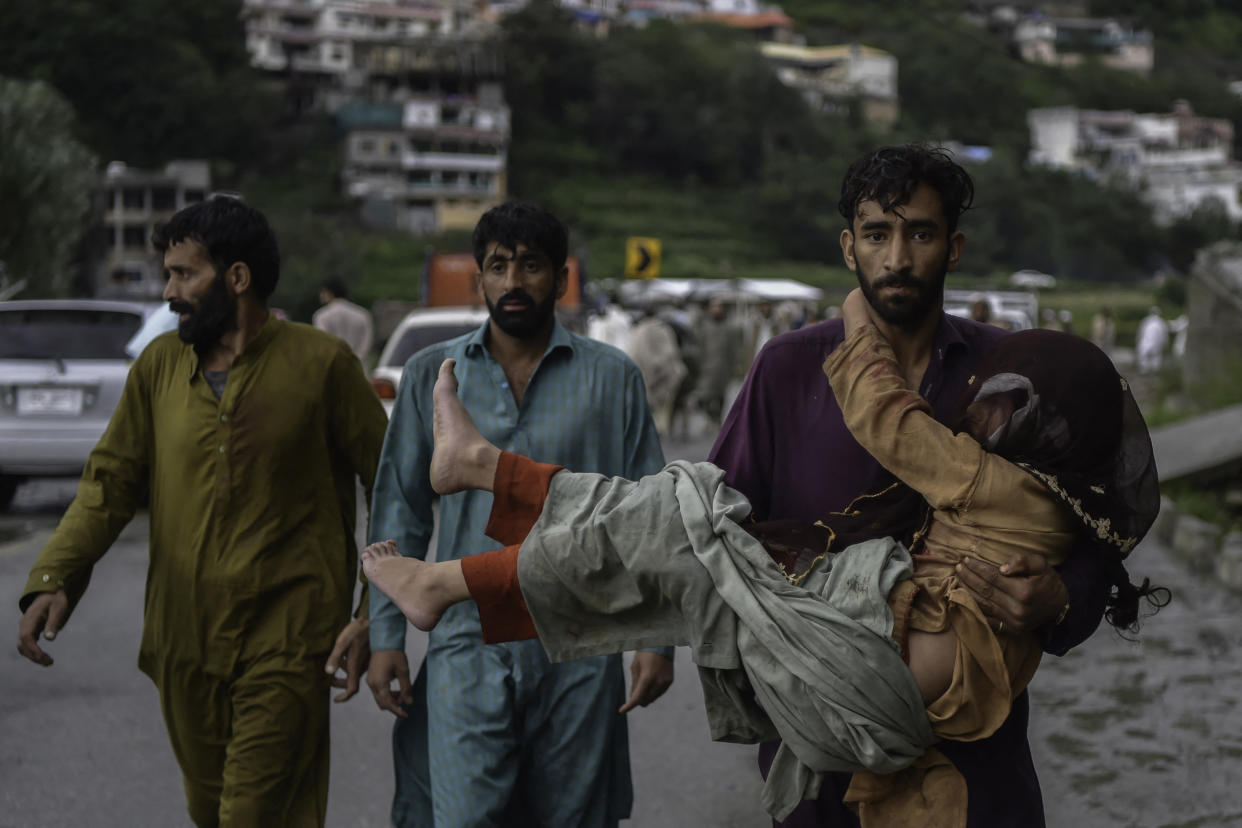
column 1087, row 584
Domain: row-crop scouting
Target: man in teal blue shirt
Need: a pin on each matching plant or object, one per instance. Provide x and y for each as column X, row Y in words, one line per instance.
column 496, row 735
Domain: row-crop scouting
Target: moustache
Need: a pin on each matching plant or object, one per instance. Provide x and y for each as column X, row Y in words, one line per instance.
column 181, row 307
column 516, row 295
column 904, row 279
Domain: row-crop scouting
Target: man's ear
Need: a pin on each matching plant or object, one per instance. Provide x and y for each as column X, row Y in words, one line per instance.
column 562, row 281
column 238, row 278
column 478, row 286
column 957, row 243
column 847, row 249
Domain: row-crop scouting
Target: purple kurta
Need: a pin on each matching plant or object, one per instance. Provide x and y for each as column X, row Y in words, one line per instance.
column 785, row 446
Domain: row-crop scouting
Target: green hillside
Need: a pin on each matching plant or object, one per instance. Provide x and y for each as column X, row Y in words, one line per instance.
column 677, row 132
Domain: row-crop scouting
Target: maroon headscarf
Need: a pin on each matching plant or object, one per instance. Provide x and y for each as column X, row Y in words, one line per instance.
column 1075, row 427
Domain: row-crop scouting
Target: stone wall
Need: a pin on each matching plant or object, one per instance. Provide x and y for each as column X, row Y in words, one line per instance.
column 1205, row 547
column 1214, row 308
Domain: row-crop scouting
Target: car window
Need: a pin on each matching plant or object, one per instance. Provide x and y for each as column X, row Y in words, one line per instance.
column 66, row 333
column 417, row 338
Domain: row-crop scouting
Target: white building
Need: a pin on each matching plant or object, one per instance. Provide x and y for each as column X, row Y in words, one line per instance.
column 319, row 36
column 1069, row 41
column 416, row 86
column 427, row 164
column 134, row 201
column 1178, row 160
column 833, row 78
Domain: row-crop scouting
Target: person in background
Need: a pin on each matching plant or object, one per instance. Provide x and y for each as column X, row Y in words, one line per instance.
column 341, row 317
column 981, row 311
column 1179, row 328
column 1048, row 320
column 611, row 324
column 785, row 446
column 496, row 735
column 719, row 349
column 654, row 349
column 1066, row 318
column 249, row 433
column 1104, row 330
column 1151, row 340
column 764, row 328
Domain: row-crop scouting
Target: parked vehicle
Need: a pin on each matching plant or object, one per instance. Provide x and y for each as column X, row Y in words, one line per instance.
column 1033, row 279
column 63, row 364
column 1015, row 310
column 420, row 327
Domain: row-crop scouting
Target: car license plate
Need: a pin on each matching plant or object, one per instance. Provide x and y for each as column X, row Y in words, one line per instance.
column 49, row 401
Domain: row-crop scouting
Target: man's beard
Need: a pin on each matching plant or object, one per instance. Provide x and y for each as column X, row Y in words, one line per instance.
column 901, row 311
column 524, row 323
column 213, row 317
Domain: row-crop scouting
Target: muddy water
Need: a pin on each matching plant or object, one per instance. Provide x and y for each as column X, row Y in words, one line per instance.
column 1147, row 733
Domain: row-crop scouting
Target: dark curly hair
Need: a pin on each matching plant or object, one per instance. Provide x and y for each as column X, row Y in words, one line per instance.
column 890, row 175
column 518, row 222
column 230, row 230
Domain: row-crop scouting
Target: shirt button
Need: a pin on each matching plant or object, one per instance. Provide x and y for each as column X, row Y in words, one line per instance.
column 222, row 449
column 47, row 578
column 224, row 418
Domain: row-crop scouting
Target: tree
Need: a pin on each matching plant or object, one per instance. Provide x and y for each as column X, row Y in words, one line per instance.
column 46, row 180
column 150, row 80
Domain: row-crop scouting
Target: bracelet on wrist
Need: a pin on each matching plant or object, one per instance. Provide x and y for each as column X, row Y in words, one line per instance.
column 1061, row 615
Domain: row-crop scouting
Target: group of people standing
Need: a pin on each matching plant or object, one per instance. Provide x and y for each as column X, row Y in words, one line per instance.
column 250, row 433
column 691, row 358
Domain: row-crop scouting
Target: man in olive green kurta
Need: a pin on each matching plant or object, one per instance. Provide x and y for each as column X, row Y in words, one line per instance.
column 252, row 559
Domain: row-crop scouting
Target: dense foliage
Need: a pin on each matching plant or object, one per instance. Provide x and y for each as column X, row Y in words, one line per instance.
column 150, row 80
column 46, row 178
column 694, row 106
column 676, row 131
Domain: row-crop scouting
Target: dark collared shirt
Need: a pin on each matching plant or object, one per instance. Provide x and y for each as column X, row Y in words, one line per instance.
column 785, row 446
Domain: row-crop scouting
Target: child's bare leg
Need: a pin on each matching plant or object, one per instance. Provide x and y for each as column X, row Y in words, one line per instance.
column 462, row 458
column 421, row 590
column 932, row 657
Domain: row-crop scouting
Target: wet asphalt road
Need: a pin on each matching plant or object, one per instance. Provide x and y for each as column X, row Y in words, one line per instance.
column 1124, row 734
column 83, row 743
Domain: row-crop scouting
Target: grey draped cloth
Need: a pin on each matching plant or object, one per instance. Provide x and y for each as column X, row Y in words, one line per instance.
column 614, row 565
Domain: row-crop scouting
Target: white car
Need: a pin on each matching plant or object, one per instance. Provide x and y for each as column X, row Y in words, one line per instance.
column 63, row 364
column 419, row 328
column 1033, row 279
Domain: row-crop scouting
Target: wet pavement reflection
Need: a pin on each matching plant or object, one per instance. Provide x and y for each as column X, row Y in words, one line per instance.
column 1147, row 732
column 1124, row 733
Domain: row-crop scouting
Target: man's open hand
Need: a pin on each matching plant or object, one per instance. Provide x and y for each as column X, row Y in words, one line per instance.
column 650, row 675
column 46, row 614
column 386, row 667
column 353, row 651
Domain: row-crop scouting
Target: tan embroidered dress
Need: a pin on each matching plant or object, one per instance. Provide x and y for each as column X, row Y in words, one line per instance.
column 983, row 507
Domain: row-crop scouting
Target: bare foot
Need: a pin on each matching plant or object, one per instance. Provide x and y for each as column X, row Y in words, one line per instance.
column 462, row 458
column 407, row 581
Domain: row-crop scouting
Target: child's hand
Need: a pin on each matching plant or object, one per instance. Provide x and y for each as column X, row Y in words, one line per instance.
column 855, row 311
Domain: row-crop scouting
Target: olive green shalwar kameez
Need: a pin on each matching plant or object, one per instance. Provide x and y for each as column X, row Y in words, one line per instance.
column 252, row 556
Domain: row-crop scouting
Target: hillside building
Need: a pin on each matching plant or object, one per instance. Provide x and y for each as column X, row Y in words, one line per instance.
column 133, row 201
column 429, row 163
column 1071, row 41
column 415, row 85
column 837, row 78
column 1177, row 160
